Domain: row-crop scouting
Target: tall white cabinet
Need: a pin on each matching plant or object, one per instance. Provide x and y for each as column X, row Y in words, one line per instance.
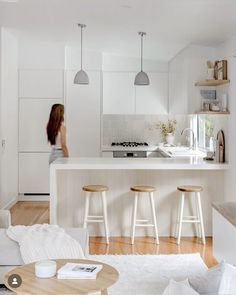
column 38, row 91
column 83, row 115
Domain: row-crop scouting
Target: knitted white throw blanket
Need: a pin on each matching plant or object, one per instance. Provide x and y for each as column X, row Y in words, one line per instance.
column 44, row 241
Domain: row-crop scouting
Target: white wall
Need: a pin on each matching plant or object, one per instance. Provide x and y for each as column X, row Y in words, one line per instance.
column 9, row 118
column 227, row 51
column 186, row 68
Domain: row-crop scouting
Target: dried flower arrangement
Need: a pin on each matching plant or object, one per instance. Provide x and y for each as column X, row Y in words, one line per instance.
column 168, row 127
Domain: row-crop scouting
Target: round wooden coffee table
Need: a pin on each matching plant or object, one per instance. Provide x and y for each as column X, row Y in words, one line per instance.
column 33, row 285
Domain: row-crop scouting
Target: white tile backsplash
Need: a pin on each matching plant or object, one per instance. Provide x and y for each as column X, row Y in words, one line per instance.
column 118, row 128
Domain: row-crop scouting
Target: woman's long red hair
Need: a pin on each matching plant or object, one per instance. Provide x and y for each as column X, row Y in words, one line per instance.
column 54, row 123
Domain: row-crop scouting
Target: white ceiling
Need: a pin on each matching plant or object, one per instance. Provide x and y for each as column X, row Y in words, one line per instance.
column 112, row 25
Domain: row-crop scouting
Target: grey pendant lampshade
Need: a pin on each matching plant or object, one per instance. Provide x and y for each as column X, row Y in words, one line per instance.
column 81, row 76
column 141, row 78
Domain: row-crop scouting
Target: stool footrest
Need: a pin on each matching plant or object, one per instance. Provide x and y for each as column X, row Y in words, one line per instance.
column 142, row 220
column 190, row 221
column 95, row 220
column 94, row 216
column 145, row 225
column 190, row 217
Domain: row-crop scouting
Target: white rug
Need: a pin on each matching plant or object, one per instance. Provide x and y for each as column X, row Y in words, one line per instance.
column 150, row 274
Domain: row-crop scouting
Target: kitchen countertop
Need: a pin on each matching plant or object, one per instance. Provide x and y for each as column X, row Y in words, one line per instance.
column 228, row 210
column 178, row 163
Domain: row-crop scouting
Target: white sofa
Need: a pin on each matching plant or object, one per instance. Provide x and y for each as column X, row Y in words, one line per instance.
column 10, row 256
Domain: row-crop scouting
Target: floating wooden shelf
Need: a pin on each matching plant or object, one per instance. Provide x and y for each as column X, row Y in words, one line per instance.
column 212, row 113
column 212, row 82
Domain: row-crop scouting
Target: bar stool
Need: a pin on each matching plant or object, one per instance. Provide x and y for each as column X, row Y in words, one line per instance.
column 143, row 222
column 198, row 219
column 89, row 190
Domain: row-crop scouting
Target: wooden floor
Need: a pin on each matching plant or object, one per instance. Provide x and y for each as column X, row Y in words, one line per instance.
column 28, row 213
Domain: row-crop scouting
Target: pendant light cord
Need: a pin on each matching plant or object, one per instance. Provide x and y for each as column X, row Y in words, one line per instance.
column 81, row 56
column 141, row 52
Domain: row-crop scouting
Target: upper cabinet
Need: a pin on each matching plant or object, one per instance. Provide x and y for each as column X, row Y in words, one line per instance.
column 120, row 96
column 153, row 99
column 118, row 93
column 41, row 84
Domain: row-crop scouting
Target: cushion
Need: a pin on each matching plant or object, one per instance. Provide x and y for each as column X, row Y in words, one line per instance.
column 210, row 282
column 220, row 279
column 177, row 288
column 228, row 280
column 10, row 251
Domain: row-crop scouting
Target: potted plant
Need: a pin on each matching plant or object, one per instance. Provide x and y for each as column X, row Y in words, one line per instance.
column 167, row 130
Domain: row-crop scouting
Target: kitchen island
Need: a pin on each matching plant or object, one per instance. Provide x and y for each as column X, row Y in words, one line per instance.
column 67, row 176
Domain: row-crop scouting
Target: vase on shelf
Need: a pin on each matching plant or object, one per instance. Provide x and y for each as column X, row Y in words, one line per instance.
column 170, row 138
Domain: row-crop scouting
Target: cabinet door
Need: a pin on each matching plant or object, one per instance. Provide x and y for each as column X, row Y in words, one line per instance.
column 153, row 99
column 118, row 93
column 83, row 115
column 41, row 83
column 33, row 173
column 33, row 118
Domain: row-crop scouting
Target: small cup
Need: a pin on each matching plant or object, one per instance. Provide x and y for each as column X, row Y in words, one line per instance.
column 45, row 269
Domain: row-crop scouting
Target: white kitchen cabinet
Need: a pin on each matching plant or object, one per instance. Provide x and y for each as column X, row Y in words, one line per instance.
column 33, row 118
column 120, row 96
column 33, row 173
column 41, row 83
column 153, row 99
column 118, row 93
column 83, row 115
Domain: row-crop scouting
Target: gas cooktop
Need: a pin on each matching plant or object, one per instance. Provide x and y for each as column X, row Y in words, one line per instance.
column 129, row 144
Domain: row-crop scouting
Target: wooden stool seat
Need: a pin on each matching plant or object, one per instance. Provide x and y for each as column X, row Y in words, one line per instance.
column 95, row 188
column 190, row 188
column 143, row 189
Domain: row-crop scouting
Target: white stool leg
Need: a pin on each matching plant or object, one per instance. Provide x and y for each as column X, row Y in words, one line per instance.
column 104, row 205
column 86, row 210
column 198, row 226
column 134, row 217
column 201, row 218
column 154, row 219
column 181, row 217
column 177, row 221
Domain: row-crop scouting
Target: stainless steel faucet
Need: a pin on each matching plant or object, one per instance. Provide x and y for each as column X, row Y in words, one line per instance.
column 194, row 145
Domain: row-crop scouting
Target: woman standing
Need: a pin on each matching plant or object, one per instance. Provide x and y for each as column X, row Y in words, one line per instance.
column 56, row 133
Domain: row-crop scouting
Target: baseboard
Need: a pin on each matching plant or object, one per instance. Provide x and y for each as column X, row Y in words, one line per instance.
column 36, row 198
column 10, row 203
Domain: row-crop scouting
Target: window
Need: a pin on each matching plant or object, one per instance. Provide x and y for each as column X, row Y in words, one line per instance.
column 206, row 128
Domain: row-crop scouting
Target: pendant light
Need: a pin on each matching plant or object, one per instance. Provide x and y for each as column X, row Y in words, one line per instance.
column 141, row 78
column 81, row 77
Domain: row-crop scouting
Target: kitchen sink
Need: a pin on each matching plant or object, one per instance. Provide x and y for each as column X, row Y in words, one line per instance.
column 183, row 151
